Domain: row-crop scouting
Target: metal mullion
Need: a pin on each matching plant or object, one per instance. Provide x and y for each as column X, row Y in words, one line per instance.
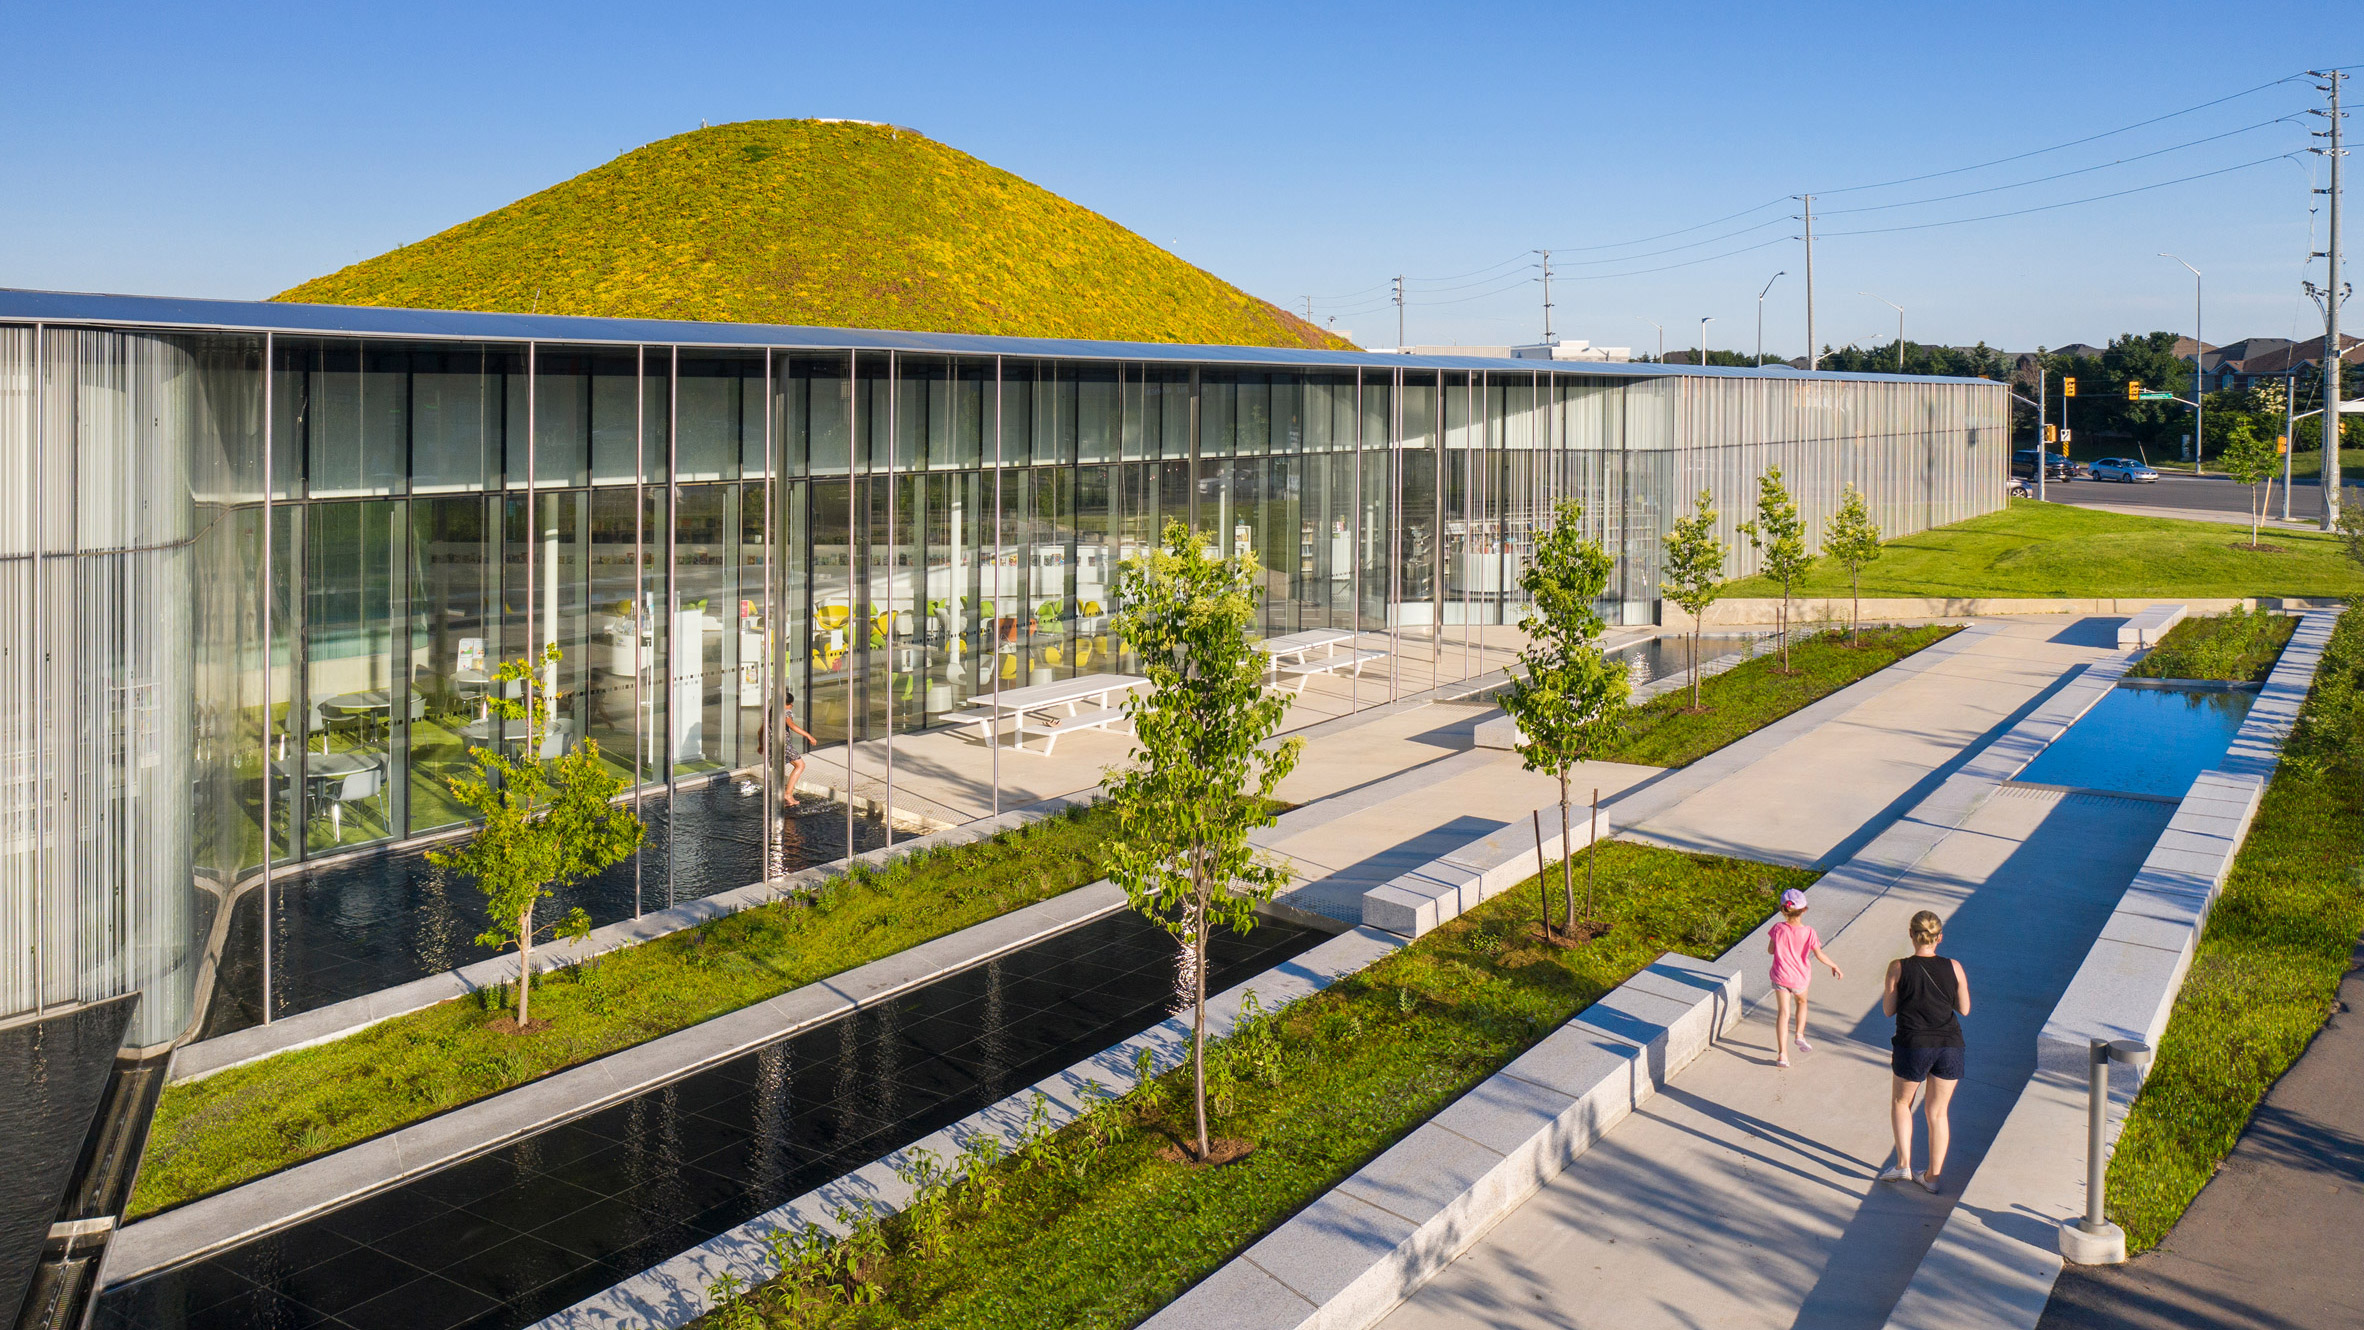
column 270, row 776
column 639, row 603
column 893, row 440
column 769, row 659
column 672, row 603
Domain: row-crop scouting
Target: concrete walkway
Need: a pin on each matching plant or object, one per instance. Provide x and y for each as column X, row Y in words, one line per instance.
column 2270, row 1242
column 1744, row 1195
column 1829, row 789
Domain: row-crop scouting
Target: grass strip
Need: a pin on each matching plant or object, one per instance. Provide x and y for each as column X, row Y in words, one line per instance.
column 2238, row 647
column 1665, row 732
column 255, row 1119
column 1098, row 1225
column 2051, row 549
column 2268, row 966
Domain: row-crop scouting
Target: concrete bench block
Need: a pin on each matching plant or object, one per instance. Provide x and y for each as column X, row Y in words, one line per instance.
column 1339, row 1253
column 1239, row 1296
column 1429, row 1173
column 2139, row 930
column 1398, row 911
column 2193, row 840
column 1577, row 1060
column 2122, row 991
column 2147, row 627
column 2207, row 865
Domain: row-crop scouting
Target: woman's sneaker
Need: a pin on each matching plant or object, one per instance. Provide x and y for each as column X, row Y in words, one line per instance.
column 1898, row 1174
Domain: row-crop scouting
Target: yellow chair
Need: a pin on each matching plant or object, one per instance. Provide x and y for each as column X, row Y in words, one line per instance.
column 1050, row 655
column 1083, row 652
column 1009, row 665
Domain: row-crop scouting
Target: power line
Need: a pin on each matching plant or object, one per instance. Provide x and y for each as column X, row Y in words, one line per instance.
column 2072, row 143
column 2068, row 203
column 2063, row 175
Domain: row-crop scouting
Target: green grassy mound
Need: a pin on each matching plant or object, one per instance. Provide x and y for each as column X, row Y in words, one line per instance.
column 822, row 224
column 2050, row 549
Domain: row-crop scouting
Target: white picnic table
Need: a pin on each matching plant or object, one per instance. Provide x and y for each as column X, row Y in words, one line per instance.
column 1097, row 689
column 1293, row 648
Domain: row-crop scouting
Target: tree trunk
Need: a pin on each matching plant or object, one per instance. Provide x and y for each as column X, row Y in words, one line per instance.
column 1567, row 854
column 1198, row 1024
column 1855, row 584
column 1785, row 625
column 525, row 963
column 1592, row 854
column 1696, row 662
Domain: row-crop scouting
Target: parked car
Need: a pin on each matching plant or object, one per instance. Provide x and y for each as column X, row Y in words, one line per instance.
column 2015, row 488
column 2056, row 467
column 2124, row 469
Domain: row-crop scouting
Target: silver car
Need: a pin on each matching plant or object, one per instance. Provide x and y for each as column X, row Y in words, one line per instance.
column 2124, row 469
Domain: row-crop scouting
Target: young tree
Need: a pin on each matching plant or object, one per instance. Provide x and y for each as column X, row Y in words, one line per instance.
column 548, row 822
column 1779, row 535
column 1202, row 777
column 1695, row 572
column 2250, row 460
column 1853, row 539
column 1568, row 698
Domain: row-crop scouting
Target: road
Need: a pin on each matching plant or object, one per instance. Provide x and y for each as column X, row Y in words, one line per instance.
column 2174, row 495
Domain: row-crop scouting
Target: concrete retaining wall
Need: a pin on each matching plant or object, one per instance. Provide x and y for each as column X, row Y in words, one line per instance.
column 1346, row 1260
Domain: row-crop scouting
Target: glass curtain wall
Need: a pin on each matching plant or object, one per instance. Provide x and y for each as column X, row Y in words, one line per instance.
column 253, row 589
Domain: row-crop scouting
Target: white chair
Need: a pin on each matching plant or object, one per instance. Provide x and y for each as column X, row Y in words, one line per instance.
column 366, row 783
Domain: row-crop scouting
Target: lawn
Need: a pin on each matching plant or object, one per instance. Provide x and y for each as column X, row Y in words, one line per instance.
column 242, row 1123
column 2268, row 966
column 1665, row 732
column 2049, row 549
column 2240, row 647
column 1097, row 1226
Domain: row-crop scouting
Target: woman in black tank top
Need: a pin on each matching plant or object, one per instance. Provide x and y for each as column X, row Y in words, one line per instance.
column 1928, row 994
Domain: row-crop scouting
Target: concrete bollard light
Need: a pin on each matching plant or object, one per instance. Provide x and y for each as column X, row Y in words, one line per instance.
column 2094, row 1240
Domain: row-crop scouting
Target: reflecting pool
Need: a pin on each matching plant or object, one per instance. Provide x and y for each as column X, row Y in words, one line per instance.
column 2143, row 741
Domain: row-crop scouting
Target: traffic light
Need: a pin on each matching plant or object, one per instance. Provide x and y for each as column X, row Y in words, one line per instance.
column 2052, row 434
column 2282, row 445
column 2068, row 387
column 2133, row 390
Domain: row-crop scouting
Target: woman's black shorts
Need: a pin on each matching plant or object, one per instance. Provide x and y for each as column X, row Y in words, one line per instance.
column 1919, row 1064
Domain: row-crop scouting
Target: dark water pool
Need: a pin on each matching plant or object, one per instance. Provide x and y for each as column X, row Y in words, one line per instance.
column 345, row 929
column 505, row 1239
column 2143, row 741
column 1662, row 656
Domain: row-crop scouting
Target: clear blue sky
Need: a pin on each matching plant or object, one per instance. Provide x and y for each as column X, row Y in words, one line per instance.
column 1306, row 150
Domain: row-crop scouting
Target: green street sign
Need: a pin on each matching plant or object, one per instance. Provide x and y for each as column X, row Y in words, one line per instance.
column 2156, row 397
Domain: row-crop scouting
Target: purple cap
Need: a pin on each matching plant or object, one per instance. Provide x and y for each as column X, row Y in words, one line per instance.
column 1793, row 899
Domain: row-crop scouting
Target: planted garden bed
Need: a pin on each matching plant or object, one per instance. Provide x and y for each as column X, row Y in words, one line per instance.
column 2239, row 647
column 1102, row 1223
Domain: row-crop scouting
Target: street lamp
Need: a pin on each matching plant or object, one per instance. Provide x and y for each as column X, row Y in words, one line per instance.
column 1704, row 320
column 1761, row 315
column 1899, row 326
column 1661, row 337
column 2199, row 389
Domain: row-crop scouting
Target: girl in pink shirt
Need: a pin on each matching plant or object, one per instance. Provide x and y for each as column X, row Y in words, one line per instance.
column 1791, row 943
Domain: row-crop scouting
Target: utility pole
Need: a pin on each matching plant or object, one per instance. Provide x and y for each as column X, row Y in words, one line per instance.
column 1399, row 315
column 1704, row 320
column 1813, row 348
column 2043, row 407
column 1661, row 338
column 1761, row 315
column 1548, row 339
column 2199, row 386
column 2289, row 435
column 2330, row 297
